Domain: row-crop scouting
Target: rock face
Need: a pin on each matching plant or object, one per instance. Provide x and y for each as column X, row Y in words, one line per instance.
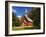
column 26, row 21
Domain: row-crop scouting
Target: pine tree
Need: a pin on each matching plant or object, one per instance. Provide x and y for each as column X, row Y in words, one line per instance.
column 35, row 16
column 15, row 20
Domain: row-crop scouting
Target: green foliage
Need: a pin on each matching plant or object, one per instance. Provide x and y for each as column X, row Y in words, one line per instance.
column 15, row 20
column 35, row 16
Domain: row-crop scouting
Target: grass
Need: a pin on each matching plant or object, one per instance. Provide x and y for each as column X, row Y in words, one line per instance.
column 25, row 28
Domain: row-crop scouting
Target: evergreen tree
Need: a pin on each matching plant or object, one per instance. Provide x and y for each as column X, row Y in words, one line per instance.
column 35, row 16
column 15, row 20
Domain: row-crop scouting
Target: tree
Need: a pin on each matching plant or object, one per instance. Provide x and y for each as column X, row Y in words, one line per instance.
column 35, row 16
column 15, row 20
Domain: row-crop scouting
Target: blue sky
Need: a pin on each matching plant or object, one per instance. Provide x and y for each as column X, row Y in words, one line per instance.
column 20, row 10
